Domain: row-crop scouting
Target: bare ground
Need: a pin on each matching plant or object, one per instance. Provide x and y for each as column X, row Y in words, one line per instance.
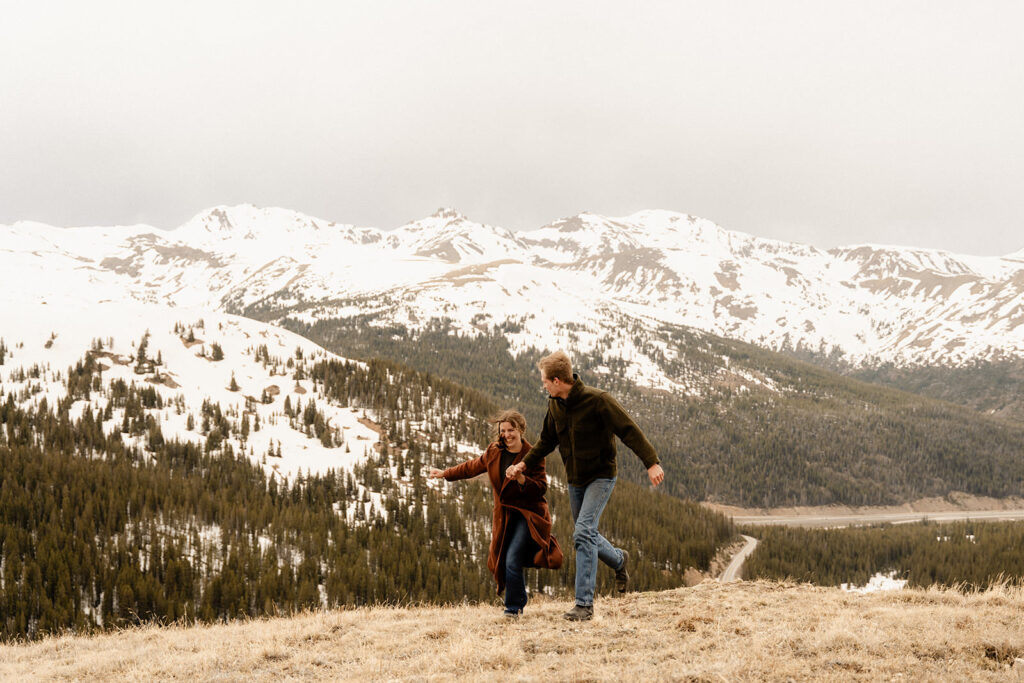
column 952, row 503
column 711, row 632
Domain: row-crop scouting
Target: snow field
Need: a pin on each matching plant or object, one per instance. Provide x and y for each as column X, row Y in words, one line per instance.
column 76, row 328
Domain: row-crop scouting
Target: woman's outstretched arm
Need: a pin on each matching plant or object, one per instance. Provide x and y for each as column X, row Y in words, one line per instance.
column 466, row 470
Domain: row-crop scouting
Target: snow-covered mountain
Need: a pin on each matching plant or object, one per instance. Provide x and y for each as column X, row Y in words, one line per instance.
column 612, row 286
column 253, row 376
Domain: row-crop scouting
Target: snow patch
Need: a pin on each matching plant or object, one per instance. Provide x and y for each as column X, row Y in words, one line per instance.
column 878, row 582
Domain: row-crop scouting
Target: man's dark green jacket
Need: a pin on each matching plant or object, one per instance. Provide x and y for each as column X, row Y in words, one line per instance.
column 583, row 427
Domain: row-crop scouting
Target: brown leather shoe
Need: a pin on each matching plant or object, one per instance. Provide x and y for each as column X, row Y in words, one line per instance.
column 580, row 613
column 621, row 575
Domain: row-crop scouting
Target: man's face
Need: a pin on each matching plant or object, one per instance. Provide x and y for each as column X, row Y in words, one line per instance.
column 550, row 385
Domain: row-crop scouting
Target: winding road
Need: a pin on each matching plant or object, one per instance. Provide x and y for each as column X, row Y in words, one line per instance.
column 732, row 572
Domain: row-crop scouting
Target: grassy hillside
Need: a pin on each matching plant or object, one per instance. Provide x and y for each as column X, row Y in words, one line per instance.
column 738, row 631
column 769, row 430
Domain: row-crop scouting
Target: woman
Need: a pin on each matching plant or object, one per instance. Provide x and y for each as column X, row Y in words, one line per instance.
column 521, row 533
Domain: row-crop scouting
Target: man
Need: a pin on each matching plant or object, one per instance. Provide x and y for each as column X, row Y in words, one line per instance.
column 583, row 423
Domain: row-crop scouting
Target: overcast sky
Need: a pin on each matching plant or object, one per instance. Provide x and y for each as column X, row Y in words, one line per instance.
column 819, row 122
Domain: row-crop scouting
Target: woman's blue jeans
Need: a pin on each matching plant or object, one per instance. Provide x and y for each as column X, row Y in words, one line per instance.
column 587, row 504
column 518, row 554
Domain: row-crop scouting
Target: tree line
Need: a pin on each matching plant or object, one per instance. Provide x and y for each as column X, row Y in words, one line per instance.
column 967, row 555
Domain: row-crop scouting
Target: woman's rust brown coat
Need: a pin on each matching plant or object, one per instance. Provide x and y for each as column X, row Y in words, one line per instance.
column 526, row 498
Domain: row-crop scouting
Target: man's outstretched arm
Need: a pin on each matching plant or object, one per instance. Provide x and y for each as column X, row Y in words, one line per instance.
column 623, row 426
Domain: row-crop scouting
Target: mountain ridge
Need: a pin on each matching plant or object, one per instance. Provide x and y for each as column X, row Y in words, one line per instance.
column 869, row 304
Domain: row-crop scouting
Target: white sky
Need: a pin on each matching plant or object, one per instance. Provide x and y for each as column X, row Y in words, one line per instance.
column 896, row 122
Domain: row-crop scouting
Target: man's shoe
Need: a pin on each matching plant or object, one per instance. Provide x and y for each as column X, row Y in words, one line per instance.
column 621, row 575
column 512, row 616
column 580, row 613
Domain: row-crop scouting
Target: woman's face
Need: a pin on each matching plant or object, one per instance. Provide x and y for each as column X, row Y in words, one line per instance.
column 510, row 436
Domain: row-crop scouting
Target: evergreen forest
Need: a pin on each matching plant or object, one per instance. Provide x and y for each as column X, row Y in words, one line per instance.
column 967, row 555
column 105, row 523
column 995, row 387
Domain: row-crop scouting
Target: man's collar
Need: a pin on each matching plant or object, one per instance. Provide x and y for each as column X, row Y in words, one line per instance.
column 575, row 390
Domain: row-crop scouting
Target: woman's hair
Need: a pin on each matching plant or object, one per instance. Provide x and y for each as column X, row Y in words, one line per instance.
column 556, row 366
column 513, row 416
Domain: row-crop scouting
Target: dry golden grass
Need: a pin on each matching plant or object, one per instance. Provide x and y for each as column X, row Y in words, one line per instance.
column 712, row 632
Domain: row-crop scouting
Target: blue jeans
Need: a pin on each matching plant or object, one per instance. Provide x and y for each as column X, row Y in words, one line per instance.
column 587, row 504
column 519, row 551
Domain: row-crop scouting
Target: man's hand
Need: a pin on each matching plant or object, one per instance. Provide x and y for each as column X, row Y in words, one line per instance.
column 655, row 474
column 514, row 471
column 436, row 473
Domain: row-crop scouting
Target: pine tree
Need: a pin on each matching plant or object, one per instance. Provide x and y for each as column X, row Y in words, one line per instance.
column 140, row 353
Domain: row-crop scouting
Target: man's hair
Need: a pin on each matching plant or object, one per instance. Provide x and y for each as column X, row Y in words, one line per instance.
column 513, row 416
column 556, row 366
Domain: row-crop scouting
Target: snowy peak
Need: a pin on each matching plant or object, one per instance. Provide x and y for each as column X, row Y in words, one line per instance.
column 450, row 237
column 581, row 236
column 1016, row 256
column 247, row 222
column 589, row 235
column 875, row 260
column 447, row 213
column 77, row 243
column 923, row 274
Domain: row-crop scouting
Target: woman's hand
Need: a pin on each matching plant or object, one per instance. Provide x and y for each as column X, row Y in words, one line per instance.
column 520, row 479
column 435, row 473
column 516, row 471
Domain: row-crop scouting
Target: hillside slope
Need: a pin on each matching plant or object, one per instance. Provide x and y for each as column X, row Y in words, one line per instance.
column 737, row 631
column 995, row 388
column 766, row 430
column 156, row 467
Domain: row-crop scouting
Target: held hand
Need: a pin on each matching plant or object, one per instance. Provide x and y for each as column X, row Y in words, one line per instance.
column 436, row 473
column 655, row 474
column 514, row 471
column 520, row 479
